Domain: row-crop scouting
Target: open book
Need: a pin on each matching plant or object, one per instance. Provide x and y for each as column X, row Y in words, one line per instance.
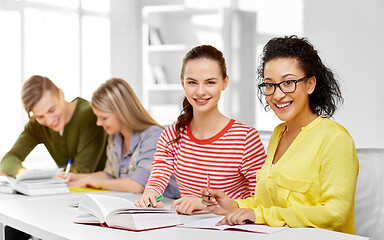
column 6, row 184
column 210, row 223
column 117, row 212
column 35, row 182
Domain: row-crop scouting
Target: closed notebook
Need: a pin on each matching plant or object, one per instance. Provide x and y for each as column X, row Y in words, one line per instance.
column 117, row 212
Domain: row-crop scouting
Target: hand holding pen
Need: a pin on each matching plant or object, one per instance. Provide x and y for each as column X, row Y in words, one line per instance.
column 217, row 201
column 206, row 193
column 68, row 168
column 157, row 200
column 148, row 199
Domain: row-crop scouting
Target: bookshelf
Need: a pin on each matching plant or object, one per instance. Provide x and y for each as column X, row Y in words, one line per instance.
column 170, row 31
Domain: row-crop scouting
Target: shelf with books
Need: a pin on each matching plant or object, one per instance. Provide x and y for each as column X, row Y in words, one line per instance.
column 169, row 31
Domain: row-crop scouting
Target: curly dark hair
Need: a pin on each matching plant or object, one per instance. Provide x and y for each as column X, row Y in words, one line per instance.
column 327, row 95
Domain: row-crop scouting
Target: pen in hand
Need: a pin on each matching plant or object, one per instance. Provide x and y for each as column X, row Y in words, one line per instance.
column 68, row 168
column 157, row 199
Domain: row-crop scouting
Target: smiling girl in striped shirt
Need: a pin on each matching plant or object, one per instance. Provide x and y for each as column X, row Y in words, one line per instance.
column 203, row 141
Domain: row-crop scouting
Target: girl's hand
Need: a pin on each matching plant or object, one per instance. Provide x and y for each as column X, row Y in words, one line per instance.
column 217, row 202
column 148, row 197
column 88, row 181
column 188, row 205
column 238, row 216
column 73, row 179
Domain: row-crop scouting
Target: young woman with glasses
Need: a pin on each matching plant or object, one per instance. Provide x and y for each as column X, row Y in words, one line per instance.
column 309, row 176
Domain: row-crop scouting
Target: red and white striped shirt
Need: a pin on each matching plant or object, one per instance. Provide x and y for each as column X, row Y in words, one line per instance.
column 231, row 158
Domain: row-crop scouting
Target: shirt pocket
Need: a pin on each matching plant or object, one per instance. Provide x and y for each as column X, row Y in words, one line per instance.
column 291, row 190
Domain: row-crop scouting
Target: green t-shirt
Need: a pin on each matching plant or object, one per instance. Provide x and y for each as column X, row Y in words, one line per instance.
column 83, row 141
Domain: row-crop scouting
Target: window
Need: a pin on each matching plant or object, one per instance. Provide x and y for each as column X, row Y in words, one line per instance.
column 65, row 40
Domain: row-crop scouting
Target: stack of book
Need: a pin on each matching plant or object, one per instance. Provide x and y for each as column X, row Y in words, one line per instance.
column 35, row 182
column 5, row 184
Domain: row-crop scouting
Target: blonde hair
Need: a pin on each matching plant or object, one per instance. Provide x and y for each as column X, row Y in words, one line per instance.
column 34, row 89
column 115, row 95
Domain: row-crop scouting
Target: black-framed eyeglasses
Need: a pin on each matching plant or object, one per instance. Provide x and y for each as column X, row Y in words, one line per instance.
column 288, row 86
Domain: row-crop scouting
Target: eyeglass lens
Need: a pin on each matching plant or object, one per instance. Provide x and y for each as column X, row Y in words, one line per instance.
column 286, row 87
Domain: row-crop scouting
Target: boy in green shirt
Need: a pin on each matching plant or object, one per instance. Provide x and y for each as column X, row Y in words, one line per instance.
column 67, row 129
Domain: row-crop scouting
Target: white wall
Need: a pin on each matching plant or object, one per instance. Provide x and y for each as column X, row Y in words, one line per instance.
column 349, row 35
column 126, row 42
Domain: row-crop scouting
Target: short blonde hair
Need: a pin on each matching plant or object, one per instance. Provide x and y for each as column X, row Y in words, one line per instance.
column 115, row 95
column 34, row 89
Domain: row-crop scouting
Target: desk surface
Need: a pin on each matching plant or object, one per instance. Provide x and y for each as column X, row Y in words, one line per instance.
column 51, row 217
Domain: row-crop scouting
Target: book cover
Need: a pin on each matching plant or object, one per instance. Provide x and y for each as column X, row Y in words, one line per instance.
column 158, row 75
column 154, row 36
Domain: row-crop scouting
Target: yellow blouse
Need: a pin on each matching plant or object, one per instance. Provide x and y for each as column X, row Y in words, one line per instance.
column 312, row 184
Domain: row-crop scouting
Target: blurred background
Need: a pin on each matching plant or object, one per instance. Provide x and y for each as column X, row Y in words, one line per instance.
column 79, row 44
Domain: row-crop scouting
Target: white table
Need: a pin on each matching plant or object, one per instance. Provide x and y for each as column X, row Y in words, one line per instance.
column 51, row 217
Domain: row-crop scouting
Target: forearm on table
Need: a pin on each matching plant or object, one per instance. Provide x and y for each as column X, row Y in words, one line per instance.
column 98, row 175
column 122, row 185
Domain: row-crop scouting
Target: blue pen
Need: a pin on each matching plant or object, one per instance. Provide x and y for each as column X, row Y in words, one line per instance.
column 68, row 168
